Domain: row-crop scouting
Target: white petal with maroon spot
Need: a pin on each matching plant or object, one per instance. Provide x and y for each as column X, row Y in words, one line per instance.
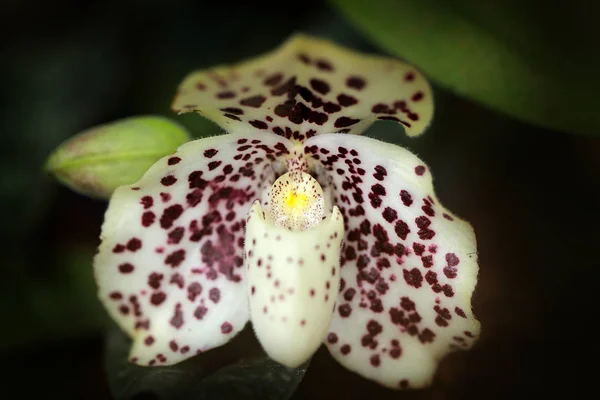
column 408, row 267
column 170, row 266
column 293, row 279
column 309, row 86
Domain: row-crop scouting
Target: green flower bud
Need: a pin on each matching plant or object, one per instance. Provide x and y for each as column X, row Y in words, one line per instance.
column 98, row 160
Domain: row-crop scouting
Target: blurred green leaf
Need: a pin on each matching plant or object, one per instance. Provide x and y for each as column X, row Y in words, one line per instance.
column 534, row 60
column 98, row 160
column 195, row 379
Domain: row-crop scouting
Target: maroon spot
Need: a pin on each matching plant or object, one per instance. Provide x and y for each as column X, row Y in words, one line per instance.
column 448, row 290
column 228, row 94
column 253, row 101
column 407, row 304
column 154, row 280
column 146, row 201
column 169, row 215
column 345, row 349
column 345, row 310
column 148, row 218
column 355, row 82
column 417, row 96
column 319, row 85
column 165, row 197
column 173, row 345
column 135, row 244
column 233, row 110
column 231, row 116
column 406, row 198
column 258, row 124
column 177, row 319
column 214, row 165
column 210, row 153
column 426, row 336
column 332, row 338
column 324, row 65
column 200, row 312
column 427, row 261
column 168, row 180
column 157, row 298
column 459, row 311
column 452, row 259
column 126, row 268
column 226, row 328
column 420, row 170
column 119, row 248
column 214, row 295
column 273, row 79
column 116, row 296
column 175, row 258
column 343, row 122
column 402, row 229
column 413, row 277
column 194, row 290
column 409, row 77
column 148, row 341
column 389, row 214
column 304, row 58
column 375, row 361
column 175, row 235
column 396, row 352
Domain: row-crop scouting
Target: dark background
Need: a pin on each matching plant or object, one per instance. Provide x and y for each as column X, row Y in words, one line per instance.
column 531, row 194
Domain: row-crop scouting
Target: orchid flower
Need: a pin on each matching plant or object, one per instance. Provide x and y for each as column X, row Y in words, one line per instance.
column 313, row 235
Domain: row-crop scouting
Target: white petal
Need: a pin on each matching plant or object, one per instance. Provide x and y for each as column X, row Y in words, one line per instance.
column 170, row 266
column 408, row 269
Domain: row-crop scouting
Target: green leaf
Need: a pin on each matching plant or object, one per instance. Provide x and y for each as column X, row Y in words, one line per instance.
column 534, row 60
column 98, row 160
column 196, row 378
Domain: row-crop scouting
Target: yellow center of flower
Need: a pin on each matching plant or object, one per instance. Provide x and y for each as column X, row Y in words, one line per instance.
column 296, row 201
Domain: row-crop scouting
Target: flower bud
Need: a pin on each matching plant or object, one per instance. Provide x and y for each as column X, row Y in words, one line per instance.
column 97, row 161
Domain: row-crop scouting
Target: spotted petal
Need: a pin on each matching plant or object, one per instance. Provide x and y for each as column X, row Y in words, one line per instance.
column 409, row 266
column 309, row 86
column 170, row 266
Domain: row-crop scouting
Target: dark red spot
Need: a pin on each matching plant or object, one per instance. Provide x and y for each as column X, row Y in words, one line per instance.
column 343, row 122
column 194, row 290
column 413, row 277
column 119, row 248
column 375, row 361
column 157, row 298
column 210, row 153
column 345, row 349
column 417, row 96
column 214, row 295
column 389, row 214
column 226, row 95
column 146, row 201
column 420, row 170
column 355, row 82
column 258, row 124
column 168, row 180
column 126, row 268
column 175, row 258
column 253, row 101
column 148, row 218
column 324, row 65
column 226, row 328
column 148, row 341
column 154, row 280
column 169, row 215
column 319, row 85
column 459, row 311
column 177, row 319
column 200, row 312
column 345, row 310
column 345, row 100
column 426, row 336
column 332, row 338
column 402, row 229
column 214, row 165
